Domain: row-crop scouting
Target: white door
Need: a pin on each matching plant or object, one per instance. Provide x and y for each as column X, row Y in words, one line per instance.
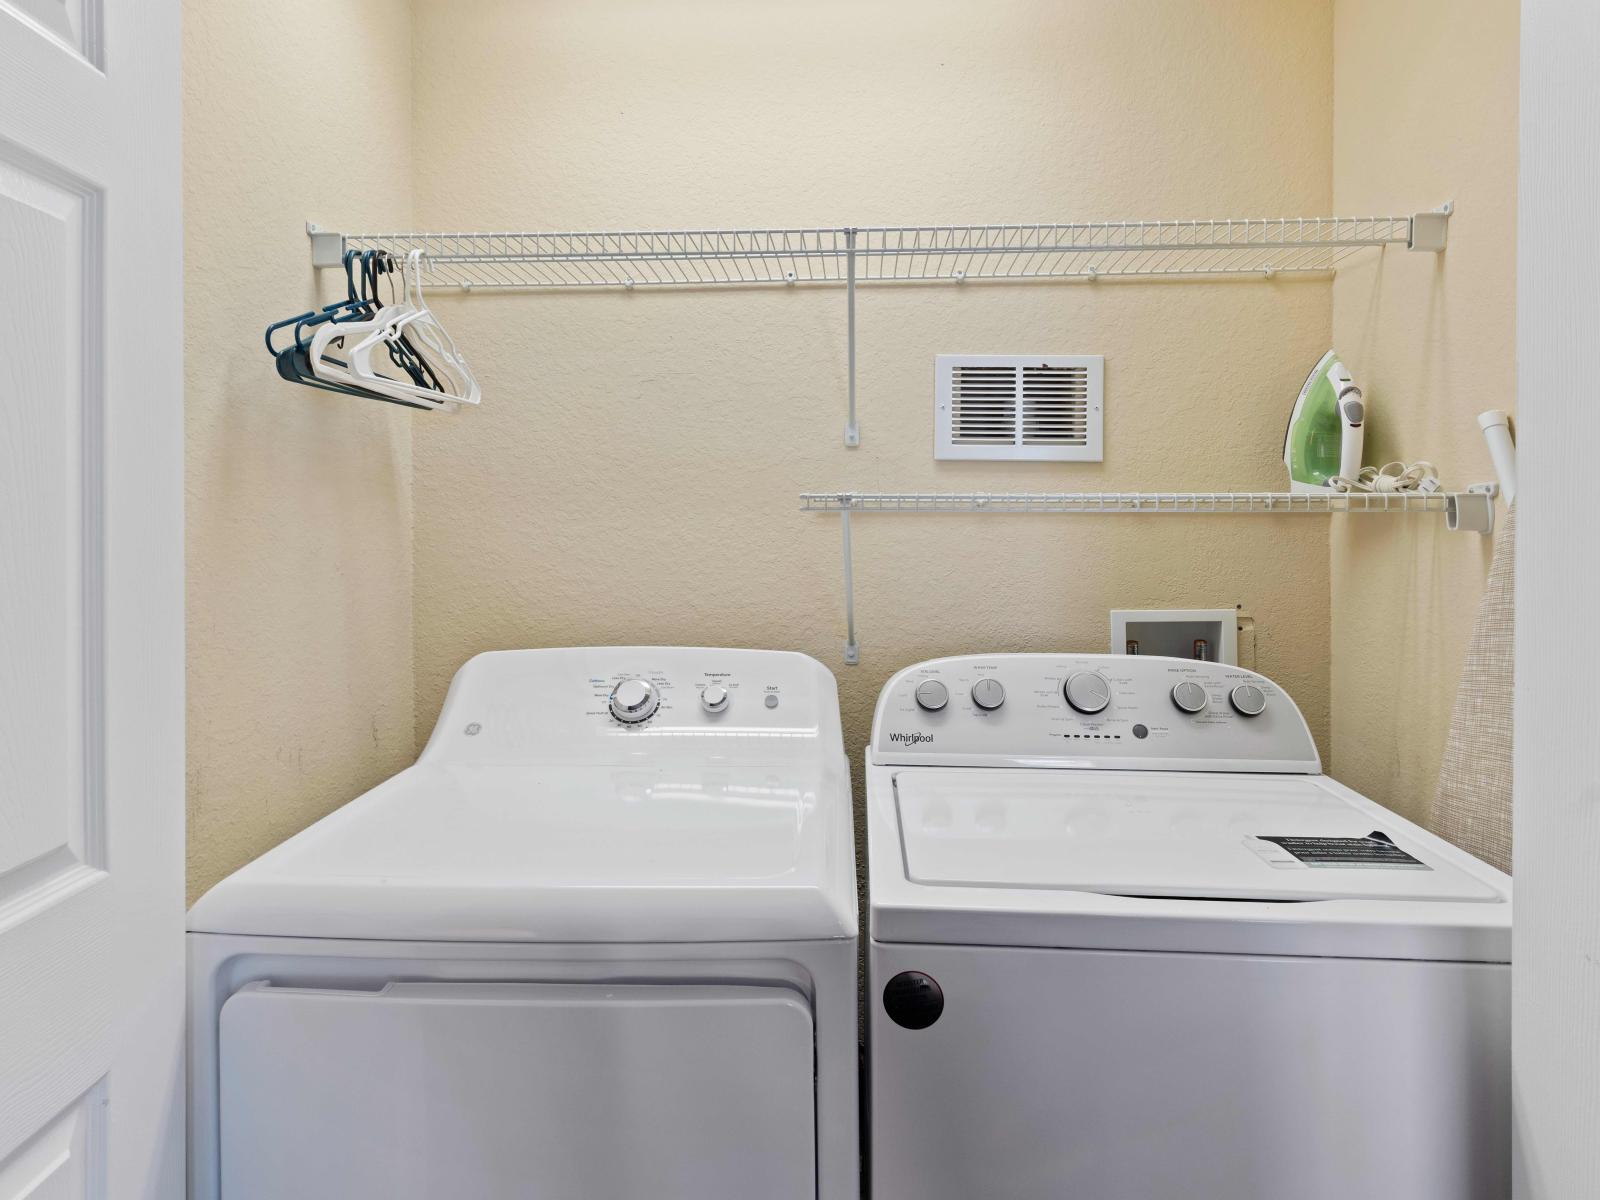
column 91, row 601
column 1556, row 784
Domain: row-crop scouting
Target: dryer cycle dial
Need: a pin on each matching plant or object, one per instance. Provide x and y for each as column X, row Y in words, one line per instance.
column 634, row 700
column 1087, row 691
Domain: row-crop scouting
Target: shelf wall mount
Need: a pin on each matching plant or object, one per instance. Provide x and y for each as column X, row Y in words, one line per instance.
column 851, row 256
column 1470, row 511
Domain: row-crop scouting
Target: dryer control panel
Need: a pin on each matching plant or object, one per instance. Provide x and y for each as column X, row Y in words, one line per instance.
column 672, row 703
column 1093, row 711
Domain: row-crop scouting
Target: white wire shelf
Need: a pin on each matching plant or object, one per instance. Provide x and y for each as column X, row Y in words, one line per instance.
column 1470, row 511
column 852, row 255
column 891, row 254
column 1147, row 503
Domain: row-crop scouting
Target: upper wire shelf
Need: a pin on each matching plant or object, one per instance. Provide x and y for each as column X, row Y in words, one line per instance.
column 852, row 255
column 891, row 254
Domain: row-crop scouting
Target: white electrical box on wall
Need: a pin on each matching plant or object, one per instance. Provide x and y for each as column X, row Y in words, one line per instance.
column 1211, row 634
column 1024, row 407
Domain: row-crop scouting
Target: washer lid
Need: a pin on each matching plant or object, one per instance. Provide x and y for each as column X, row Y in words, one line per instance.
column 1199, row 836
column 562, row 853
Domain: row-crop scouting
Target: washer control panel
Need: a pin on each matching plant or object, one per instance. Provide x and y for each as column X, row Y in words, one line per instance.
column 1110, row 711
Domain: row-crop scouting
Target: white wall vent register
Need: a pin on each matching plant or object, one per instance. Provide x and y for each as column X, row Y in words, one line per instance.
column 1038, row 407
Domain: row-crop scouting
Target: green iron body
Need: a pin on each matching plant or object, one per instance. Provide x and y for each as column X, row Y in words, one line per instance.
column 1323, row 439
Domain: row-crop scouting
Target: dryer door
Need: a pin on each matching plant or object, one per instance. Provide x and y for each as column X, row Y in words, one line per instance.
column 485, row 1090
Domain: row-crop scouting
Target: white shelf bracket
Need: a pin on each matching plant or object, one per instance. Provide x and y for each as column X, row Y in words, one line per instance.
column 327, row 247
column 852, row 648
column 1472, row 511
column 852, row 431
column 1430, row 230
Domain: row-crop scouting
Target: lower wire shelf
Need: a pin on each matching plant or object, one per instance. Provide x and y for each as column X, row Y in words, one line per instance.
column 1470, row 511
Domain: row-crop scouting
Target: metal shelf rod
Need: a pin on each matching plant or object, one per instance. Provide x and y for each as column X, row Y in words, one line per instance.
column 879, row 252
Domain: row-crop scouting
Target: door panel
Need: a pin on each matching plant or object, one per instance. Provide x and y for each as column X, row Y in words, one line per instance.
column 91, row 600
column 50, row 809
column 63, row 1161
column 423, row 1090
column 1120, row 1076
column 75, row 24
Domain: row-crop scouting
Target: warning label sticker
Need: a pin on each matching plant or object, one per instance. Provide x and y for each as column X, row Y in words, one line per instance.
column 1373, row 852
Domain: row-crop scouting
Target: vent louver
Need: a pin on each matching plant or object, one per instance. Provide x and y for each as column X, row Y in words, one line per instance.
column 983, row 406
column 1027, row 407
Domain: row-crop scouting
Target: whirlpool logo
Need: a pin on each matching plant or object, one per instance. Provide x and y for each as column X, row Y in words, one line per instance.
column 910, row 739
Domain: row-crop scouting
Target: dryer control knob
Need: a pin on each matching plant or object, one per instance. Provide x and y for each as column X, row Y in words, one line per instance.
column 1087, row 691
column 932, row 695
column 634, row 700
column 1248, row 700
column 714, row 698
column 1189, row 696
column 988, row 694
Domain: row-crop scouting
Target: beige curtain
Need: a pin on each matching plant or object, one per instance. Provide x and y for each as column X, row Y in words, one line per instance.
column 1473, row 804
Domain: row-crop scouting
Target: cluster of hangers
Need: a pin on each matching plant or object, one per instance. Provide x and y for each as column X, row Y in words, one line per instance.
column 391, row 349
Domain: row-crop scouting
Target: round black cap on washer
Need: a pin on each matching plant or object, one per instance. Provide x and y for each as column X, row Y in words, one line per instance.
column 913, row 1000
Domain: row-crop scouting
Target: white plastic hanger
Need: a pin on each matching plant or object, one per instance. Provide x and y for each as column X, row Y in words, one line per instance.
column 338, row 371
column 413, row 320
column 409, row 319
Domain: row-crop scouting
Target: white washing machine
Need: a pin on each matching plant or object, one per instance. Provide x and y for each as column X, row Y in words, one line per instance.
column 598, row 942
column 1128, row 943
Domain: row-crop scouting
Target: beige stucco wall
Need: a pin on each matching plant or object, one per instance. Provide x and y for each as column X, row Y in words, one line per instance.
column 299, row 503
column 633, row 473
column 1425, row 110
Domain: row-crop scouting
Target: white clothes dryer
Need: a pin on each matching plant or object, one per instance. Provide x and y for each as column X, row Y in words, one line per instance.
column 599, row 941
column 1129, row 943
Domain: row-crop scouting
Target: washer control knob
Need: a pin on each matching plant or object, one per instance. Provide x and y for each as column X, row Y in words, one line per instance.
column 714, row 698
column 634, row 700
column 1189, row 696
column 1087, row 691
column 932, row 695
column 1248, row 700
column 988, row 694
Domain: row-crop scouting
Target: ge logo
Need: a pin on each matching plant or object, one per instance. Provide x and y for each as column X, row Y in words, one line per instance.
column 474, row 729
